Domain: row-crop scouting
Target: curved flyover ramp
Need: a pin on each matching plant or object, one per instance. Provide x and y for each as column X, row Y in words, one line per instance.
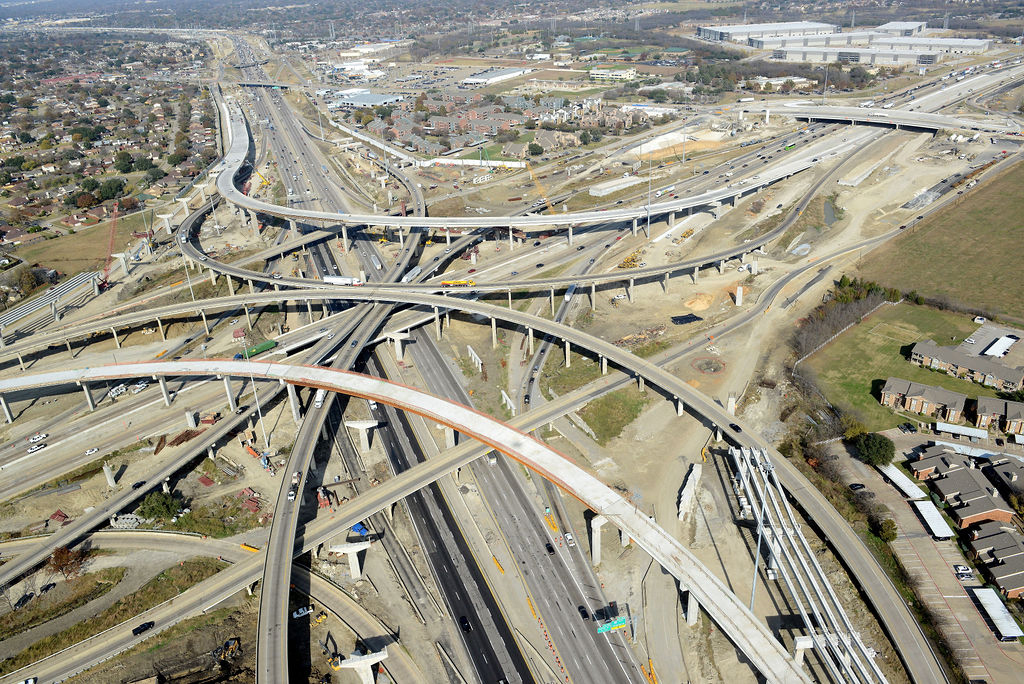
column 750, row 635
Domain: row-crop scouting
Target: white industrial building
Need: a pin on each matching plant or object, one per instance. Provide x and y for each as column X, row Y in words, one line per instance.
column 612, row 72
column 868, row 56
column 903, row 28
column 359, row 98
column 948, row 46
column 821, row 40
column 741, row 33
column 492, row 76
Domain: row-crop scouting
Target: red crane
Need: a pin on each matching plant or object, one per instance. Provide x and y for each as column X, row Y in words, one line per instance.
column 105, row 280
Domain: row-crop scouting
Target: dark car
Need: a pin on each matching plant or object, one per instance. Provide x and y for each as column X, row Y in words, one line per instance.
column 46, row 587
column 583, row 612
column 581, row 248
column 464, row 624
column 355, row 343
column 909, row 427
column 144, row 627
column 25, row 598
column 856, row 487
column 526, row 398
column 540, row 265
column 550, row 548
column 241, row 409
column 138, row 484
column 735, row 428
column 536, row 243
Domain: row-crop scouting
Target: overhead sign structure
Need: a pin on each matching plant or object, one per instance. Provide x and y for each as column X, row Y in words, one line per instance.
column 617, row 623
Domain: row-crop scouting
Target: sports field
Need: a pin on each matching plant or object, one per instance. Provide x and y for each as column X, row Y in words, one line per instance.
column 970, row 253
column 852, row 369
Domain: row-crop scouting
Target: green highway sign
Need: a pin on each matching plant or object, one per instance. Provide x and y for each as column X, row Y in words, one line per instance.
column 617, row 623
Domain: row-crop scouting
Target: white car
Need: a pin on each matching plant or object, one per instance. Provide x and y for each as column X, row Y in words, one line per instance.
column 90, row 452
column 38, row 437
column 36, row 447
column 569, row 539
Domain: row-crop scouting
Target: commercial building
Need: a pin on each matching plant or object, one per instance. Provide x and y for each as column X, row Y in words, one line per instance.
column 740, row 33
column 962, row 365
column 898, row 393
column 903, row 28
column 359, row 98
column 613, row 72
column 821, row 40
column 946, row 46
column 856, row 55
column 492, row 76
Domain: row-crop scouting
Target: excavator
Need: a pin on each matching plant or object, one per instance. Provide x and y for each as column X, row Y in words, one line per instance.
column 232, row 648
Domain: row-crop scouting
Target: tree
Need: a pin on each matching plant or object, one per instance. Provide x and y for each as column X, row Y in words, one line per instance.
column 111, row 188
column 90, row 184
column 874, row 449
column 123, row 162
column 155, row 174
column 584, row 138
column 144, row 164
column 884, row 528
column 535, row 150
column 85, row 200
column 159, row 505
column 67, row 562
column 852, row 427
column 27, row 281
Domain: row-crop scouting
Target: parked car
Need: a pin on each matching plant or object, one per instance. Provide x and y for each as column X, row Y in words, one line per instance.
column 144, row 627
column 302, row 612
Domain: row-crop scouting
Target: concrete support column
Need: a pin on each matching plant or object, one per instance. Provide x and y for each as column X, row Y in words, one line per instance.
column 624, row 538
column 2, row 343
column 448, row 237
column 739, row 295
column 344, row 238
column 570, row 236
column 529, row 340
column 206, row 326
column 664, row 282
column 510, row 299
column 401, row 238
column 511, row 244
column 680, row 407
column 164, row 391
column 692, row 608
column 231, row 395
column 21, row 363
column 494, row 333
column 117, row 342
column 696, row 273
column 8, row 416
column 801, row 644
column 437, row 325
column 309, row 309
column 640, row 382
column 252, row 289
column 604, row 365
column 721, row 266
column 190, row 419
column 352, row 550
column 671, row 219
column 593, row 297
column 248, row 320
column 730, row 405
column 231, row 285
column 634, row 227
column 160, row 327
column 596, row 523
column 53, row 311
column 398, row 338
column 449, row 436
column 326, row 309
column 629, row 290
column 88, row 396
column 213, row 277
column 293, row 401
column 568, row 354
column 67, row 343
column 363, row 427
column 551, row 297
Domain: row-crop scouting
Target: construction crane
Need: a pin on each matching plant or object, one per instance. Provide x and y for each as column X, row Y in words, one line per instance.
column 105, row 279
column 543, row 192
column 263, row 178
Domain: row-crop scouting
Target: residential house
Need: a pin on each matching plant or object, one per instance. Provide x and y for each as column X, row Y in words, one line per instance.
column 515, row 150
column 999, row 550
column 962, row 365
column 971, row 497
column 1007, row 416
column 937, row 461
column 925, row 399
column 554, row 140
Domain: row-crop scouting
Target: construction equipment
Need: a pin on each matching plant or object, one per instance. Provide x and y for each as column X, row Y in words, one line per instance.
column 263, row 179
column 232, row 648
column 105, row 279
column 543, row 192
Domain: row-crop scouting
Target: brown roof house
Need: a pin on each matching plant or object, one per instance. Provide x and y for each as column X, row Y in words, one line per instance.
column 971, row 497
column 926, row 399
column 957, row 363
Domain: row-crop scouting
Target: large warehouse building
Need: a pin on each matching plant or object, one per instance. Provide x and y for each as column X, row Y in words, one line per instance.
column 741, row 33
column 869, row 56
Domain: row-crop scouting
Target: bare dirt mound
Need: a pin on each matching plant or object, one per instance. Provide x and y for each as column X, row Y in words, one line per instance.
column 699, row 302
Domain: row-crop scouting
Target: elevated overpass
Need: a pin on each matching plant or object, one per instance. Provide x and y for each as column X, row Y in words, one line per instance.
column 875, row 116
column 752, row 637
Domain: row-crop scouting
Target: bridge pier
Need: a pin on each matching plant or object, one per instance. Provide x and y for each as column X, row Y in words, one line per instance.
column 447, row 237
column 593, row 297
column 596, row 523
column 117, row 342
column 231, row 285
column 2, row 343
column 344, row 238
column 163, row 390
column 67, row 343
column 551, row 298
column 510, row 298
column 401, row 237
column 721, row 266
column 231, row 395
column 363, row 427
column 570, row 236
column 692, row 608
column 53, row 310
column 248, row 320
column 95, row 287
column 363, row 664
column 696, row 273
column 629, row 290
column 494, row 333
column 634, row 227
column 437, row 325
column 351, row 550
column 21, row 363
column 664, row 282
column 206, row 326
column 449, row 436
column 801, row 644
column 309, row 309
column 604, row 365
column 397, row 338
column 529, row 340
column 568, row 354
column 671, row 219
column 252, row 290
column 640, row 382
column 213, row 277
column 6, row 408
column 293, row 401
column 680, row 406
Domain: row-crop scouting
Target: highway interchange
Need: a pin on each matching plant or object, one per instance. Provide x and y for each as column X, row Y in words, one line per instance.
column 361, row 326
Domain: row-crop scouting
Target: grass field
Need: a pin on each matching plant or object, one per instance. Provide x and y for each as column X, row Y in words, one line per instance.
column 852, row 369
column 969, row 253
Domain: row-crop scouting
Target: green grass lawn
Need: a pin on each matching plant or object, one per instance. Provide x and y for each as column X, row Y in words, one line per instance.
column 852, row 369
column 969, row 253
